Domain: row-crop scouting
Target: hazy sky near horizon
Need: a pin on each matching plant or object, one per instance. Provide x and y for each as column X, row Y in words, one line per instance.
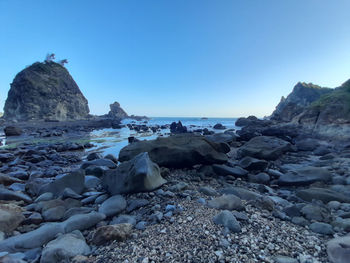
column 222, row 58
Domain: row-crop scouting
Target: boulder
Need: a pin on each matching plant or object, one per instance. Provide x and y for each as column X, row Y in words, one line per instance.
column 338, row 249
column 104, row 234
column 219, row 126
column 305, row 176
column 139, row 174
column 224, row 170
column 228, row 220
column 321, row 228
column 10, row 217
column 264, row 147
column 12, row 131
column 99, row 162
column 64, row 248
column 9, row 195
column 253, row 164
column 75, row 181
column 227, row 202
column 323, row 194
column 251, row 120
column 45, row 91
column 47, row 232
column 178, row 151
column 113, row 205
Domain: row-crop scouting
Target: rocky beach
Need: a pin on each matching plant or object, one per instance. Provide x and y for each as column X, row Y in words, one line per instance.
column 268, row 190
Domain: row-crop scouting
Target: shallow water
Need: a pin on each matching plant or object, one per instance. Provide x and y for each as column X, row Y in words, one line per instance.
column 111, row 141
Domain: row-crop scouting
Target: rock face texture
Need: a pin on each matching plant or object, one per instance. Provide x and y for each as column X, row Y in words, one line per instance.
column 45, row 91
column 296, row 102
column 116, row 111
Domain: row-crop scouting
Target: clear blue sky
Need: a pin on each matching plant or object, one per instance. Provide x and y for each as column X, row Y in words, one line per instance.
column 184, row 57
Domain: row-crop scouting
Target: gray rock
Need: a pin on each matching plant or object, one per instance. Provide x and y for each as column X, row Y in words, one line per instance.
column 260, row 178
column 227, row 219
column 69, row 193
column 124, row 219
column 300, row 221
column 338, row 249
column 77, row 210
column 93, row 156
column 253, row 164
column 178, row 151
column 64, row 248
column 342, row 224
column 99, row 162
column 12, row 131
column 9, row 195
column 113, row 205
column 323, row 194
column 112, row 158
column 139, row 174
column 47, row 232
column 92, row 182
column 224, row 170
column 74, row 180
column 315, row 212
column 54, row 214
column 208, row 191
column 264, row 147
column 227, row 202
column 135, row 204
column 10, row 217
column 305, row 176
column 44, row 197
column 322, row 228
column 284, row 259
column 242, row 193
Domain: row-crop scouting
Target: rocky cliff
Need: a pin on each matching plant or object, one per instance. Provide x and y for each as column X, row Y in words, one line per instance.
column 45, row 91
column 297, row 101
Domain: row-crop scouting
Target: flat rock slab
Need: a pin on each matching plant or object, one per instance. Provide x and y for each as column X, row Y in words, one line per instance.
column 305, row 176
column 323, row 194
column 264, row 147
column 179, row 151
column 338, row 250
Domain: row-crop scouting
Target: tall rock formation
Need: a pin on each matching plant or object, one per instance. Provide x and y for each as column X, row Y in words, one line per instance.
column 45, row 91
column 116, row 111
column 302, row 96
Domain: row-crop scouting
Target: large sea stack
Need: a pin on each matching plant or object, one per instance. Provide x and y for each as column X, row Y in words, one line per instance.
column 45, row 91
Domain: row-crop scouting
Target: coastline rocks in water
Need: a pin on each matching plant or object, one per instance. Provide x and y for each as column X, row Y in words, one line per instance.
column 219, row 126
column 104, row 234
column 177, row 127
column 75, row 181
column 10, row 217
column 228, row 220
column 12, row 131
column 65, row 247
column 42, row 91
column 338, row 249
column 251, row 120
column 139, row 174
column 116, row 111
column 323, row 194
column 305, row 176
column 178, row 151
column 297, row 101
column 264, row 147
column 113, row 205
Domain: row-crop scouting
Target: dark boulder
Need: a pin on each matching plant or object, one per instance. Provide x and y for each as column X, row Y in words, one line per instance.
column 305, row 176
column 264, row 147
column 117, row 112
column 219, row 126
column 139, row 174
column 12, row 131
column 182, row 150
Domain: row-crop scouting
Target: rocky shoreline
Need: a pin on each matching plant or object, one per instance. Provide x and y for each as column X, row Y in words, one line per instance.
column 263, row 194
